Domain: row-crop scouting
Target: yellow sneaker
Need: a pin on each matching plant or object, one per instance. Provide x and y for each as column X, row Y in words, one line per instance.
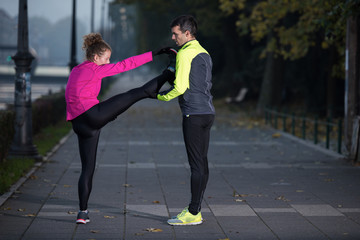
column 186, row 218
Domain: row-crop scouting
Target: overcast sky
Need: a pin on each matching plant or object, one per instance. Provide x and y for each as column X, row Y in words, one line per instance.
column 55, row 10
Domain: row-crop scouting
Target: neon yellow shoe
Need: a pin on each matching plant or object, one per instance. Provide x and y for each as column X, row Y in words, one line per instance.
column 186, row 218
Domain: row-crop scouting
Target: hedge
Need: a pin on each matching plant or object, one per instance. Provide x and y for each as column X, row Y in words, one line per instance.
column 7, row 132
column 46, row 111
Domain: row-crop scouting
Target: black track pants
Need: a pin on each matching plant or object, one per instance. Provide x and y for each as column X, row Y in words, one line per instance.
column 87, row 126
column 196, row 131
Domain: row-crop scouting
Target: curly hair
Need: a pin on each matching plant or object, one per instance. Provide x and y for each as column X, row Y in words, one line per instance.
column 94, row 44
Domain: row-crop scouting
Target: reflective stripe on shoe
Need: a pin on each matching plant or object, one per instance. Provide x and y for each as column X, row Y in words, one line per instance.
column 83, row 217
column 82, row 221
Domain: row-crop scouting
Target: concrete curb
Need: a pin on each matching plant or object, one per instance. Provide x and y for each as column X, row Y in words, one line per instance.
column 311, row 145
column 20, row 182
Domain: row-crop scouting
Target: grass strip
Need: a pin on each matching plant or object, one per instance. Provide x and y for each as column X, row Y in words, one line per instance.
column 50, row 136
column 11, row 170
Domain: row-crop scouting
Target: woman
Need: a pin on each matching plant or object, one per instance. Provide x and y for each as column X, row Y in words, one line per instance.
column 88, row 115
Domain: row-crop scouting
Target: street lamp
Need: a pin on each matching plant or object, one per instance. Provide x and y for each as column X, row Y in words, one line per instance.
column 22, row 145
column 73, row 62
column 92, row 15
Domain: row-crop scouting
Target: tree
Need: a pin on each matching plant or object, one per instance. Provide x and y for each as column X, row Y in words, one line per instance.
column 291, row 28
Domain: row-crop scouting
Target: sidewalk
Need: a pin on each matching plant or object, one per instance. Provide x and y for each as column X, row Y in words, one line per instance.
column 260, row 187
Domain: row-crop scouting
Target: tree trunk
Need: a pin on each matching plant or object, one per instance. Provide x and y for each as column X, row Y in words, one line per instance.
column 352, row 78
column 272, row 84
column 331, row 85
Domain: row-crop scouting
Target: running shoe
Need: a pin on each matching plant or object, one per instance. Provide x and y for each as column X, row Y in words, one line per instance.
column 83, row 217
column 186, row 218
column 172, row 62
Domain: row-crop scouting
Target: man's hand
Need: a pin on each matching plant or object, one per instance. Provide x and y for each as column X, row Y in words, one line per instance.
column 166, row 50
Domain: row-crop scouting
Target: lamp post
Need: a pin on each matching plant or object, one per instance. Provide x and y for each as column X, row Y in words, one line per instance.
column 92, row 15
column 73, row 62
column 22, row 145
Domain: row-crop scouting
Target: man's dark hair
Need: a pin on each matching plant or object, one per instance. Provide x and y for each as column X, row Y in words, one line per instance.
column 186, row 23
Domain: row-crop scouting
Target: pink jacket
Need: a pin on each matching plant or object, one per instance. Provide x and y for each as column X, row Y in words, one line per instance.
column 84, row 82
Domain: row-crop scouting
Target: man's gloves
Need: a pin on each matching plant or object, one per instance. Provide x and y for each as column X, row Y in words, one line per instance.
column 166, row 50
column 171, row 52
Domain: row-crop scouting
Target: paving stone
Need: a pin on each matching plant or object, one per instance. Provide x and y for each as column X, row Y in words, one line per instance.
column 259, row 187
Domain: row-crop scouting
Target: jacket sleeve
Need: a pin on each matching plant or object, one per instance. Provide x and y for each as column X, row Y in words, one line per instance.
column 124, row 65
column 181, row 83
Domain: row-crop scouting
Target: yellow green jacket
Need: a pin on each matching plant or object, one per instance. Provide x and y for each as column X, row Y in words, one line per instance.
column 192, row 80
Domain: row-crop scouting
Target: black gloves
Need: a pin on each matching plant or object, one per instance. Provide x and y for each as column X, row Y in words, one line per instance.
column 171, row 52
column 166, row 50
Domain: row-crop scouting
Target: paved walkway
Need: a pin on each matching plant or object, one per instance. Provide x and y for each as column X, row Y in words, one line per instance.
column 260, row 187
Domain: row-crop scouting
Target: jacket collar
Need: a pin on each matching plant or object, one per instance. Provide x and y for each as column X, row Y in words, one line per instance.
column 188, row 43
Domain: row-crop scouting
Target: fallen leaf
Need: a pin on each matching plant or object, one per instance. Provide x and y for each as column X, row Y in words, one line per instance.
column 240, row 200
column 224, row 239
column 241, row 195
column 282, row 198
column 109, row 217
column 276, row 135
column 156, row 201
column 328, row 180
column 21, row 210
column 67, row 186
column 247, row 195
column 126, row 185
column 299, row 190
column 94, row 231
column 30, row 215
column 71, row 212
column 139, row 234
column 7, row 208
column 250, row 127
column 154, row 230
column 33, row 177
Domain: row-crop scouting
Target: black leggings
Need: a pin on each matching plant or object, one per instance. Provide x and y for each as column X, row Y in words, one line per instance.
column 87, row 126
column 196, row 131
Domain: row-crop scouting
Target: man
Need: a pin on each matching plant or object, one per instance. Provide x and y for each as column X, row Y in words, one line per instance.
column 192, row 85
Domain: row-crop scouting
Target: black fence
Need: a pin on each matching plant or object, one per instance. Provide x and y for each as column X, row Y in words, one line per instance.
column 321, row 132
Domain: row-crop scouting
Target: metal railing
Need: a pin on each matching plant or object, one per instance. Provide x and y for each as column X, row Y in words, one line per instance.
column 301, row 126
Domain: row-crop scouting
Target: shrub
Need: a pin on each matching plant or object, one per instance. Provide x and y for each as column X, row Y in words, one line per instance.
column 48, row 110
column 7, row 132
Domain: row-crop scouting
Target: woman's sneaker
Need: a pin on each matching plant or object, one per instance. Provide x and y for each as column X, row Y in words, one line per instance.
column 172, row 60
column 186, row 218
column 83, row 217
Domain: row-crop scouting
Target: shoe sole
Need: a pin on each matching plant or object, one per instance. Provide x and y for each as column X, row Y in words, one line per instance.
column 82, row 221
column 185, row 224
